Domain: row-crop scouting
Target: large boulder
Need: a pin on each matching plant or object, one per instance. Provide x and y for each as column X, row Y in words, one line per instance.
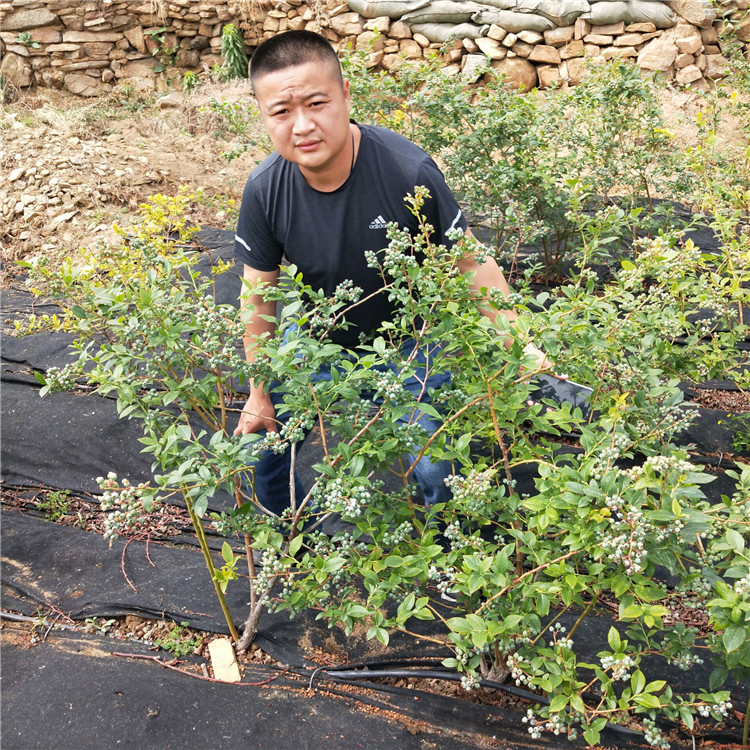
column 83, row 84
column 519, row 73
column 348, row 24
column 688, row 74
column 16, row 70
column 658, row 54
column 696, row 12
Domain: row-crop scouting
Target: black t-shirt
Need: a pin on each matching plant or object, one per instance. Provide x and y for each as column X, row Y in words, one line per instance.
column 326, row 235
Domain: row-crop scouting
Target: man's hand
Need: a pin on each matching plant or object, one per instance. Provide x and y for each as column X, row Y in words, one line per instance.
column 542, row 361
column 257, row 414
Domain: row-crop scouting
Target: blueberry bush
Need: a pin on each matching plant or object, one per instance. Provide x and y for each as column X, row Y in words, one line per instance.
column 507, row 574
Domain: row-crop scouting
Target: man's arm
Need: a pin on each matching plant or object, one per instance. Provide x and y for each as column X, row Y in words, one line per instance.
column 488, row 275
column 258, row 413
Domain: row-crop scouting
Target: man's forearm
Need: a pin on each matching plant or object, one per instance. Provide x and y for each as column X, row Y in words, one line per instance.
column 257, row 325
column 486, row 277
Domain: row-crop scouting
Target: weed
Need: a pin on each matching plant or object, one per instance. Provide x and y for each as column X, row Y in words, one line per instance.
column 190, row 82
column 239, row 119
column 56, row 505
column 165, row 54
column 24, row 38
column 741, row 438
column 224, row 205
column 99, row 625
column 179, row 640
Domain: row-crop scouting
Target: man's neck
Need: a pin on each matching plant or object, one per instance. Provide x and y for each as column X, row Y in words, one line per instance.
column 336, row 175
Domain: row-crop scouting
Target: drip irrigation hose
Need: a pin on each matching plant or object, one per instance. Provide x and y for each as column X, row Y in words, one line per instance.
column 347, row 673
column 429, row 661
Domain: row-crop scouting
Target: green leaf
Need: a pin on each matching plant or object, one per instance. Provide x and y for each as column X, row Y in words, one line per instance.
column 718, row 677
column 576, row 703
column 200, row 505
column 332, row 564
column 558, row 703
column 631, row 612
column 382, row 635
column 676, row 507
column 637, row 682
column 687, row 717
column 614, row 640
column 735, row 541
column 647, row 700
column 394, row 561
column 294, row 545
column 734, row 637
column 226, row 553
column 591, row 735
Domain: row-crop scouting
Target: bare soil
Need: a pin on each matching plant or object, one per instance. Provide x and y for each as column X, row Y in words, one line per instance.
column 88, row 164
column 731, row 401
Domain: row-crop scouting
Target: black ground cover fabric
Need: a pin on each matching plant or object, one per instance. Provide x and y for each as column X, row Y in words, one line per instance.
column 76, row 573
column 714, row 431
column 65, row 442
column 71, row 693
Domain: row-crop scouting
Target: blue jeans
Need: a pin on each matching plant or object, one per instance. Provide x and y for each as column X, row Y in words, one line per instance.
column 272, row 469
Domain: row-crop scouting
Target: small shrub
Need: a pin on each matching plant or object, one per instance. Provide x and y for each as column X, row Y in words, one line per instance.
column 190, row 82
column 234, row 63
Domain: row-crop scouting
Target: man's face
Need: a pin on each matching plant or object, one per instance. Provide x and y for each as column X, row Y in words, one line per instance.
column 305, row 109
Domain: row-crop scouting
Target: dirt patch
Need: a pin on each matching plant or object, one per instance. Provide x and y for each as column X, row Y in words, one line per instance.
column 72, row 169
column 61, row 506
column 730, row 401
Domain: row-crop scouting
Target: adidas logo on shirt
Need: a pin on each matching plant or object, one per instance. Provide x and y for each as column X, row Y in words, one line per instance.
column 379, row 223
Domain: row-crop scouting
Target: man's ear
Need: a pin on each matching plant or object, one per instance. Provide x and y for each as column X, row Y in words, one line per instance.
column 347, row 97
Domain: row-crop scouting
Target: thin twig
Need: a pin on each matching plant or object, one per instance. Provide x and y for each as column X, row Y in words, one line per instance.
column 528, row 573
column 167, row 665
column 122, row 566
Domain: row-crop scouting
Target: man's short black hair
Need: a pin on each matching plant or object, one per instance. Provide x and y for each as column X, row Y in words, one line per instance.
column 292, row 48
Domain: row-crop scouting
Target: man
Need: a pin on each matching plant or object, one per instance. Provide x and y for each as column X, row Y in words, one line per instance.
column 321, row 200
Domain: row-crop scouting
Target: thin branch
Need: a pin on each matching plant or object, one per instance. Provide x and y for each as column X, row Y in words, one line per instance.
column 169, row 665
column 528, row 573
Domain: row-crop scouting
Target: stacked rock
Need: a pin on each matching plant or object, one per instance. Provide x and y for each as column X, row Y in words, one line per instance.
column 546, row 42
column 87, row 45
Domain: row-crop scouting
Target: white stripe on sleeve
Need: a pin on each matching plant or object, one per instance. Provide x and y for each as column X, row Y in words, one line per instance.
column 242, row 242
column 455, row 222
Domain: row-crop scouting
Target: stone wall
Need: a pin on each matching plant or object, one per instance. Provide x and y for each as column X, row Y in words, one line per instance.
column 85, row 46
